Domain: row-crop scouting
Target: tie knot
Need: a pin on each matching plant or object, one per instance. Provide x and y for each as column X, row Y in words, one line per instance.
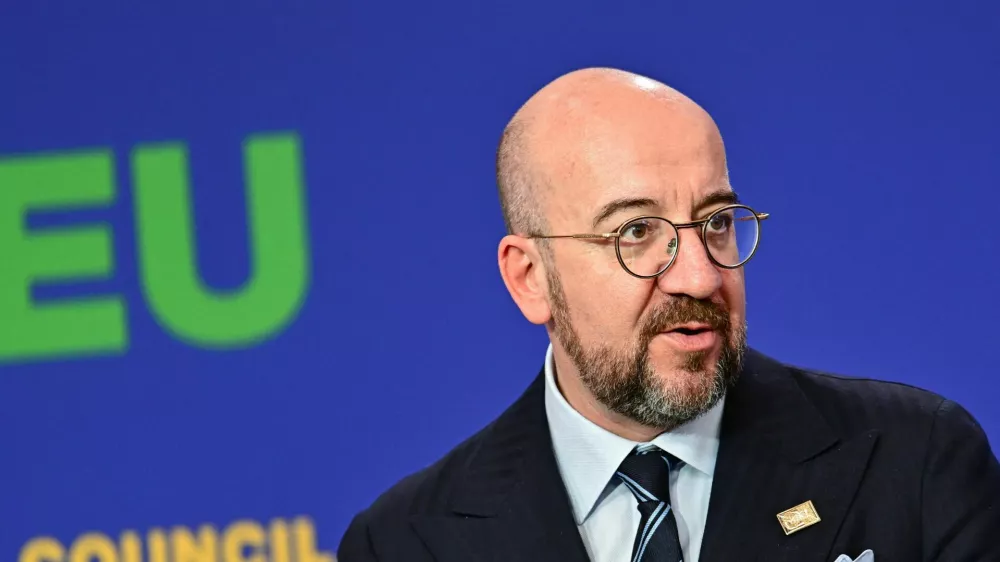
column 646, row 473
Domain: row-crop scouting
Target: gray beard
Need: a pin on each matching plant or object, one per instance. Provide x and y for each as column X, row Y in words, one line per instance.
column 623, row 380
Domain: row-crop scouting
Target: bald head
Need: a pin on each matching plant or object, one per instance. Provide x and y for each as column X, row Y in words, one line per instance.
column 588, row 125
column 601, row 151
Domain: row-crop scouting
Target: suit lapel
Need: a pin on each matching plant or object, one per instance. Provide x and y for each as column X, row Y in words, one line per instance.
column 511, row 503
column 776, row 452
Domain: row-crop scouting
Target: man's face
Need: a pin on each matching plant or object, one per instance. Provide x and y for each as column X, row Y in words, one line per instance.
column 621, row 332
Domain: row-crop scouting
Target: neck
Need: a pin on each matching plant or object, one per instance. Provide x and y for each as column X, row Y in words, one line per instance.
column 570, row 385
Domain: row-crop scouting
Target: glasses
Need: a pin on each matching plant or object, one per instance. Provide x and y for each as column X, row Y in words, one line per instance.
column 646, row 246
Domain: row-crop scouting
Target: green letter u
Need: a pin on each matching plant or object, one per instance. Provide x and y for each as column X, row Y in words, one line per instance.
column 279, row 268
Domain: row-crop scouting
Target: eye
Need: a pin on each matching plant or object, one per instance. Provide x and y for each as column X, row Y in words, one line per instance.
column 644, row 231
column 720, row 223
column 636, row 232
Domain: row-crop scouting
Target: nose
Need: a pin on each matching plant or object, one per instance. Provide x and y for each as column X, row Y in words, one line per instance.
column 693, row 273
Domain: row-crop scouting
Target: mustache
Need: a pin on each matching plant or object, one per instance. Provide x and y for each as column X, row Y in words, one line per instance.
column 683, row 310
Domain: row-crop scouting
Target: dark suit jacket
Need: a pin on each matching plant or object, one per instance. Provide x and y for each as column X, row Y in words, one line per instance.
column 888, row 467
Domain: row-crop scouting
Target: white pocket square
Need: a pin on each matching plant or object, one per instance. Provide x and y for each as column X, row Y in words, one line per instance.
column 866, row 556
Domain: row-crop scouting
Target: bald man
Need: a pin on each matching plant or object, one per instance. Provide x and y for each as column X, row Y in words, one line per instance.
column 653, row 433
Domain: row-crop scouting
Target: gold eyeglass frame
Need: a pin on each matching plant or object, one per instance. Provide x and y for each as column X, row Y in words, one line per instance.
column 703, row 223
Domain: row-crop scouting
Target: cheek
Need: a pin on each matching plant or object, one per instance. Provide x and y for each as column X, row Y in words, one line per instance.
column 606, row 303
column 734, row 293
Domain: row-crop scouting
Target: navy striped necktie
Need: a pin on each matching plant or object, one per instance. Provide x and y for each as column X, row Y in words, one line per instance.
column 646, row 473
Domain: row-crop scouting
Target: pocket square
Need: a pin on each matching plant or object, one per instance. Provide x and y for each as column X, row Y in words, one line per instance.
column 866, row 556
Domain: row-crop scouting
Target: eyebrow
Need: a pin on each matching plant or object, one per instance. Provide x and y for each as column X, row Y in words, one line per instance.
column 722, row 197
column 620, row 205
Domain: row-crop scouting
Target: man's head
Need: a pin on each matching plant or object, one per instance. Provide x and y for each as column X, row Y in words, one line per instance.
column 588, row 152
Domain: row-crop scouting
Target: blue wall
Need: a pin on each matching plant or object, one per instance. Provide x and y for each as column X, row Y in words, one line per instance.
column 866, row 129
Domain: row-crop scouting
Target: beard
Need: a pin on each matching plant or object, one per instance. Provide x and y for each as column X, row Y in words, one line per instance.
column 624, row 379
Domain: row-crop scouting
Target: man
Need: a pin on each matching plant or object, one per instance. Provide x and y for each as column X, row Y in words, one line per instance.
column 653, row 433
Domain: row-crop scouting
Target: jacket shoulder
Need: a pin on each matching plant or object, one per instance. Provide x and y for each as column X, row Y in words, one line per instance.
column 428, row 489
column 383, row 528
column 902, row 411
column 910, row 413
column 865, row 397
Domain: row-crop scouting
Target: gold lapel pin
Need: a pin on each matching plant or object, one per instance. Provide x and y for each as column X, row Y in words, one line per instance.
column 798, row 517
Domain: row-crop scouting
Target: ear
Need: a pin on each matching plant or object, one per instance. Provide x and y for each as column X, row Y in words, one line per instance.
column 524, row 275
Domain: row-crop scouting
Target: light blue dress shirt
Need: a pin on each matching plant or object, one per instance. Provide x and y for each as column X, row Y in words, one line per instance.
column 605, row 511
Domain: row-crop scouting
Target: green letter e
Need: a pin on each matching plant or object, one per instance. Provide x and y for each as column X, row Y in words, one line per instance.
column 31, row 330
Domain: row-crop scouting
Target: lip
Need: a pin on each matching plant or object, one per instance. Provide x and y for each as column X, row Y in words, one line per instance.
column 689, row 326
column 701, row 341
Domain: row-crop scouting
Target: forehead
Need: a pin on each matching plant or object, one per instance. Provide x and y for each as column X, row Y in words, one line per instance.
column 675, row 164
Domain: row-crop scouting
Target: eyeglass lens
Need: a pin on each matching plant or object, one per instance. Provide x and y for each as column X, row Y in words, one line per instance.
column 648, row 246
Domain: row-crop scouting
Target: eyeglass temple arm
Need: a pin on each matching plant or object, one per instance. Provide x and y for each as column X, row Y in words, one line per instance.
column 606, row 235
column 602, row 235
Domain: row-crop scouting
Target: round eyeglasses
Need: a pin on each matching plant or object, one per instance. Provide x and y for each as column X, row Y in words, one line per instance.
column 646, row 246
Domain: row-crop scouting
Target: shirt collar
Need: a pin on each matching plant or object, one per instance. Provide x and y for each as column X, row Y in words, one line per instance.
column 589, row 455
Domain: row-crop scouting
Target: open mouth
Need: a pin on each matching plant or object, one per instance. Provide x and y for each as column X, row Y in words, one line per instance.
column 690, row 330
column 692, row 337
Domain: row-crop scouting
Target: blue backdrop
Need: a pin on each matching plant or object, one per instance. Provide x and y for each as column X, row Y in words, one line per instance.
column 152, row 413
